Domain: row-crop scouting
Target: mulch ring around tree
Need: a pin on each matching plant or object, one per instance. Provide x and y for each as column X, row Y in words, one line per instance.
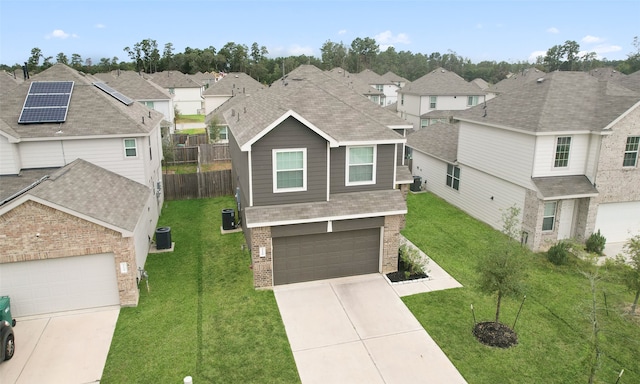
column 495, row 334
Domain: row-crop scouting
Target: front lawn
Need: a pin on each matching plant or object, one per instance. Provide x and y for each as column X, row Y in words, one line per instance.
column 182, row 119
column 553, row 329
column 201, row 316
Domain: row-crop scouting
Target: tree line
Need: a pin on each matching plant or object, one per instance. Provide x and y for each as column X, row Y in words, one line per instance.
column 362, row 53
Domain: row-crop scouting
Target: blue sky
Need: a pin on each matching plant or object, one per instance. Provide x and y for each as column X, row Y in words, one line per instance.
column 509, row 30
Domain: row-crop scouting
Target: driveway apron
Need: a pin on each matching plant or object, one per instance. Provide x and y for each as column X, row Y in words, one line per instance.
column 358, row 330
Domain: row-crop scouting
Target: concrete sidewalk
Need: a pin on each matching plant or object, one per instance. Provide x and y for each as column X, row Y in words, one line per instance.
column 357, row 330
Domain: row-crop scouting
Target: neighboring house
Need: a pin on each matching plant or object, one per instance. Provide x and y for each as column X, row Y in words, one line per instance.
column 514, row 81
column 7, row 82
column 388, row 87
column 231, row 85
column 135, row 86
column 320, row 179
column 563, row 149
column 185, row 91
column 358, row 85
column 438, row 90
column 73, row 238
column 207, row 79
column 399, row 81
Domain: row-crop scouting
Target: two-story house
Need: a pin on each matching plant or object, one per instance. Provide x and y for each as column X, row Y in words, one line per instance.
column 80, row 191
column 185, row 91
column 563, row 149
column 389, row 88
column 433, row 97
column 231, row 85
column 398, row 80
column 319, row 173
column 140, row 89
column 374, row 94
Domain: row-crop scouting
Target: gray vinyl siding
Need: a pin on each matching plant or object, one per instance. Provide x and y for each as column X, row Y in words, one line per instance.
column 240, row 174
column 289, row 134
column 384, row 170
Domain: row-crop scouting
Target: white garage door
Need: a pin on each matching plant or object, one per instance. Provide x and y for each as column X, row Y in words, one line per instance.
column 618, row 221
column 54, row 285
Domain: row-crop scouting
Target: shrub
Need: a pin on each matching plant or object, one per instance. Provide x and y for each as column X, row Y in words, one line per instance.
column 558, row 254
column 411, row 259
column 595, row 243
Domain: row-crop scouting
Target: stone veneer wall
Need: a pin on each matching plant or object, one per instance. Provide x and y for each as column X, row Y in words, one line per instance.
column 391, row 243
column 262, row 266
column 65, row 235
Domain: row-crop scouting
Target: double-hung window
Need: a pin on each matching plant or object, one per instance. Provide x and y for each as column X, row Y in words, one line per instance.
column 361, row 165
column 563, row 144
column 472, row 100
column 631, row 151
column 380, row 87
column 223, row 134
column 549, row 218
column 289, row 170
column 453, row 176
column 130, row 148
column 432, row 101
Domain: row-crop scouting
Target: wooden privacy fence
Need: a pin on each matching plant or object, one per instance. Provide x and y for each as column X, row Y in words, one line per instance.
column 210, row 153
column 197, row 185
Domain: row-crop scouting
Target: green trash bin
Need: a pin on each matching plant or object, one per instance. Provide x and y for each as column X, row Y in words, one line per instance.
column 5, row 310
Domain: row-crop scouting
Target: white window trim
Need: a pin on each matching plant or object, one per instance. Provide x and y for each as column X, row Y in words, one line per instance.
column 124, row 144
column 637, row 153
column 434, row 102
column 373, row 176
column 274, row 153
column 555, row 213
column 555, row 153
column 453, row 177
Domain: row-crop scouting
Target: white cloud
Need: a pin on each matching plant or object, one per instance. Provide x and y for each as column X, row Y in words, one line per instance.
column 553, row 30
column 59, row 34
column 342, row 32
column 535, row 54
column 292, row 50
column 101, row 26
column 592, row 39
column 387, row 38
column 602, row 49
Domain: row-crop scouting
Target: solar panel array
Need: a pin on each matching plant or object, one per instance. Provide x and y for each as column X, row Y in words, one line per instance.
column 46, row 102
column 115, row 94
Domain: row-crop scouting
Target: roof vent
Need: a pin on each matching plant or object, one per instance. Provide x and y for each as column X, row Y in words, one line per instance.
column 540, row 79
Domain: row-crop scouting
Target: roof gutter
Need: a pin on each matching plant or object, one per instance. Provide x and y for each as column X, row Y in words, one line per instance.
column 24, row 190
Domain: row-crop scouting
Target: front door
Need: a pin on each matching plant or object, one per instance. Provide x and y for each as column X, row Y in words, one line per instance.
column 565, row 224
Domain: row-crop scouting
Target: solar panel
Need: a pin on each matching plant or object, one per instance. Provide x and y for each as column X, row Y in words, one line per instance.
column 115, row 94
column 46, row 102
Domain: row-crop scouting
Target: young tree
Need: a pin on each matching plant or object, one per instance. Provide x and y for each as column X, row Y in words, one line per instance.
column 502, row 272
column 632, row 272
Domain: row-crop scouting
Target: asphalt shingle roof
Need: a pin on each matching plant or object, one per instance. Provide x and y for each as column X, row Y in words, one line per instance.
column 134, row 85
column 95, row 192
column 392, row 77
column 343, row 206
column 173, row 79
column 370, row 77
column 441, row 82
column 233, row 84
column 560, row 101
column 439, row 140
column 354, row 82
column 91, row 111
column 330, row 105
column 562, row 186
column 516, row 80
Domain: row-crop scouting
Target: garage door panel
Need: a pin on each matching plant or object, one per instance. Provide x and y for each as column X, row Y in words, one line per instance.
column 618, row 221
column 62, row 284
column 327, row 255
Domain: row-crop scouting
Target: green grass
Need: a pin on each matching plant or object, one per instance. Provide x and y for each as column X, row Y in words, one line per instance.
column 181, row 119
column 553, row 328
column 202, row 317
column 192, row 131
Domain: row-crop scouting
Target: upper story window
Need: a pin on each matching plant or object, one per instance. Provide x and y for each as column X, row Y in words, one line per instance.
column 563, row 145
column 361, row 165
column 172, row 91
column 380, row 87
column 289, row 170
column 130, row 148
column 424, row 123
column 148, row 104
column 549, row 217
column 453, row 176
column 472, row 100
column 631, row 151
column 375, row 99
column 432, row 101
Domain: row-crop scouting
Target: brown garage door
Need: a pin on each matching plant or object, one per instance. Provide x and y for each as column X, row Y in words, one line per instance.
column 325, row 256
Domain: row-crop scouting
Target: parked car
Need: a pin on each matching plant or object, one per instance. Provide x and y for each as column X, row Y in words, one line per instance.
column 8, row 341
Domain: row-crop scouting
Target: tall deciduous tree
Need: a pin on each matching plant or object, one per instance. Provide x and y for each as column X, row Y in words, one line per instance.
column 333, row 55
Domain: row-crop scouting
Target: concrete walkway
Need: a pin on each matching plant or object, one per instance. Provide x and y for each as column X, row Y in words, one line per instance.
column 357, row 330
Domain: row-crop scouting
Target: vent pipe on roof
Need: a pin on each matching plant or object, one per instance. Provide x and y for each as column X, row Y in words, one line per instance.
column 149, row 114
column 142, row 119
column 25, row 71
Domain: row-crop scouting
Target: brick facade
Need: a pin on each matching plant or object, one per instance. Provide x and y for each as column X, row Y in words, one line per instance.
column 391, row 243
column 33, row 231
column 262, row 266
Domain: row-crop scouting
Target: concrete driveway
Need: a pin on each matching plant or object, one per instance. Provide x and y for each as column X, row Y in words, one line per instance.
column 66, row 348
column 357, row 330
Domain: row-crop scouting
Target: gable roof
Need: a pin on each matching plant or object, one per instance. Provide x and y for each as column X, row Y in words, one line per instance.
column 232, row 84
column 441, row 82
column 516, row 80
column 392, row 77
column 7, row 82
column 173, row 79
column 439, row 140
column 560, row 101
column 354, row 82
column 91, row 192
column 324, row 103
column 631, row 81
column 91, row 112
column 133, row 85
column 370, row 77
